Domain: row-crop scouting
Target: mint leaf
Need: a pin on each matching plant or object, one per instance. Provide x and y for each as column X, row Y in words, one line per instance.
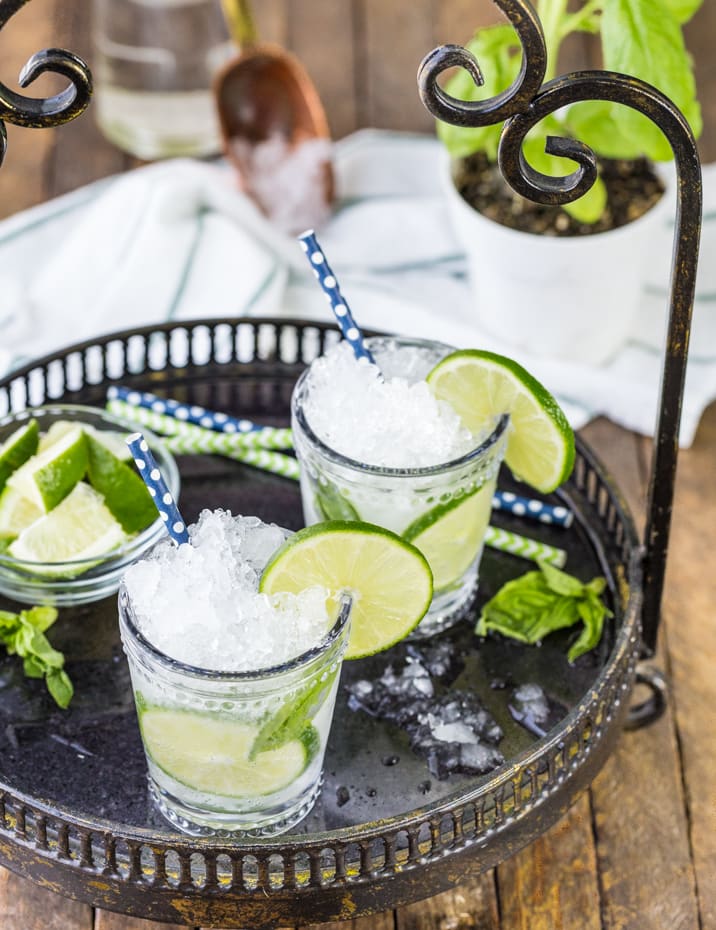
column 560, row 582
column 531, row 607
column 293, row 717
column 60, row 687
column 683, row 10
column 41, row 618
column 23, row 634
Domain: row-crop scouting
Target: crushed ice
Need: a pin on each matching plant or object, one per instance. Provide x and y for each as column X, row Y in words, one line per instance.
column 453, row 732
column 199, row 602
column 390, row 421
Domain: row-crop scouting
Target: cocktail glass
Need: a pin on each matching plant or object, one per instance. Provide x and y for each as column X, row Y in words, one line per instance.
column 443, row 509
column 234, row 752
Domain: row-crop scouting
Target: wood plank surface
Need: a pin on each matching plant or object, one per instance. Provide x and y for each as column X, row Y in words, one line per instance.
column 690, row 594
column 321, row 33
column 471, row 906
column 557, row 875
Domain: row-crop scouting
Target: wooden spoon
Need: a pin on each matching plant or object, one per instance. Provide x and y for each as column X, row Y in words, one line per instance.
column 274, row 127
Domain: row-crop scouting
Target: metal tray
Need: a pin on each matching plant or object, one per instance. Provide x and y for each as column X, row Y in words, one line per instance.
column 74, row 808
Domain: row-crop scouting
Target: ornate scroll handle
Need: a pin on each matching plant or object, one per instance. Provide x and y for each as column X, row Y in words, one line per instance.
column 521, row 112
column 51, row 111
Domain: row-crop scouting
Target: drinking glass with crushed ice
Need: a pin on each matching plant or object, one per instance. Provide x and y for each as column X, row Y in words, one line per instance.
column 376, row 445
column 234, row 689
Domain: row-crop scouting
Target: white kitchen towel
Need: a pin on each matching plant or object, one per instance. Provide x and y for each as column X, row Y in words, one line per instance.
column 177, row 240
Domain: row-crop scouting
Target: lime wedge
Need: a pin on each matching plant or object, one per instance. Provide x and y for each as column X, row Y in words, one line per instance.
column 388, row 577
column 482, row 386
column 48, row 477
column 211, row 754
column 17, row 449
column 55, row 432
column 80, row 527
column 451, row 535
column 112, row 439
column 16, row 512
column 124, row 492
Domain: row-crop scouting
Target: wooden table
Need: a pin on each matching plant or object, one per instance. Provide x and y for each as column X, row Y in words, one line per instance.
column 638, row 852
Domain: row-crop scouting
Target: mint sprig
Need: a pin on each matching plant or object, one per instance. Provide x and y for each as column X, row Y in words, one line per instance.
column 538, row 603
column 23, row 635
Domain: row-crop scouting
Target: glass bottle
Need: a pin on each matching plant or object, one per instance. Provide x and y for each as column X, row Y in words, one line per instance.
column 154, row 63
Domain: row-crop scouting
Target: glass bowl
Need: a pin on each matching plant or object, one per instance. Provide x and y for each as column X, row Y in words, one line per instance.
column 82, row 580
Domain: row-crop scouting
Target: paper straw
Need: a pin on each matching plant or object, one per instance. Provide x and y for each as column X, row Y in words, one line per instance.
column 329, row 283
column 188, row 413
column 157, row 487
column 213, row 444
column 532, row 509
column 268, row 437
column 525, row 548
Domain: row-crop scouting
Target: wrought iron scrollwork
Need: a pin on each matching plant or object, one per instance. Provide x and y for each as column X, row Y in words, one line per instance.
column 46, row 112
column 524, row 104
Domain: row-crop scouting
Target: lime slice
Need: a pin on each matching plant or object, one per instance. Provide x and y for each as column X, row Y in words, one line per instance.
column 450, row 535
column 124, row 492
column 482, row 386
column 48, row 477
column 17, row 449
column 388, row 577
column 80, row 527
column 16, row 512
column 211, row 754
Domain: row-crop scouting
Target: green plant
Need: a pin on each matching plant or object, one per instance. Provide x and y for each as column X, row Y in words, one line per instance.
column 641, row 38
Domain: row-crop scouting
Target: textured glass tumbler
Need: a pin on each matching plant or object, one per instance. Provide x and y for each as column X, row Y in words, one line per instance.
column 154, row 63
column 234, row 752
column 442, row 509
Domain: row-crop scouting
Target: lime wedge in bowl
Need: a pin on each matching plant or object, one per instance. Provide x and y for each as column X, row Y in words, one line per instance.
column 481, row 386
column 16, row 512
column 17, row 449
column 48, row 477
column 389, row 579
column 79, row 528
column 124, row 492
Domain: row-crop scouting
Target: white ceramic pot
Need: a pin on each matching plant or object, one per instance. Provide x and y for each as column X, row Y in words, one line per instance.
column 570, row 297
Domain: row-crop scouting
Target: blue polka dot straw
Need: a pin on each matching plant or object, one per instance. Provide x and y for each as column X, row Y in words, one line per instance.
column 532, row 509
column 190, row 413
column 163, row 500
column 327, row 280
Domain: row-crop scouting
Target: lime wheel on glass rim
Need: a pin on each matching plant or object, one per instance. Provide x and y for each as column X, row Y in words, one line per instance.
column 388, row 578
column 482, row 386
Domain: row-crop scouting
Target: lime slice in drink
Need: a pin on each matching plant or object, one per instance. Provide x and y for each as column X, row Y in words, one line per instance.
column 450, row 535
column 389, row 578
column 80, row 527
column 211, row 754
column 124, row 492
column 16, row 512
column 17, row 449
column 48, row 477
column 482, row 386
